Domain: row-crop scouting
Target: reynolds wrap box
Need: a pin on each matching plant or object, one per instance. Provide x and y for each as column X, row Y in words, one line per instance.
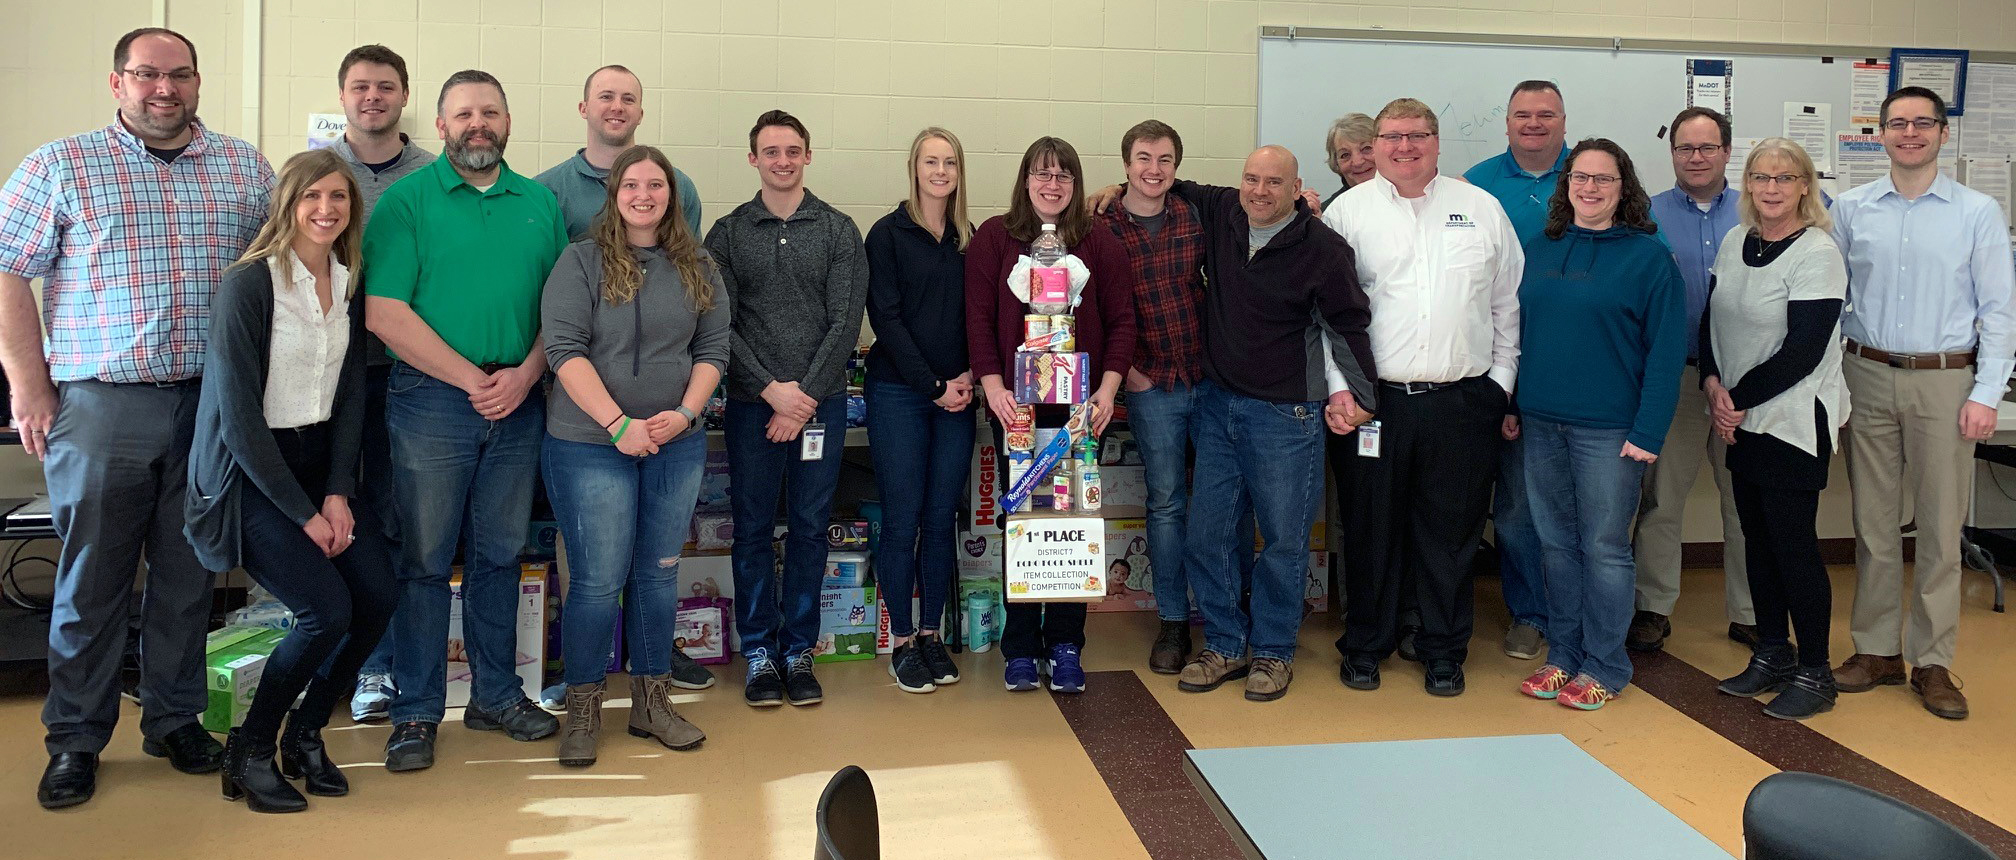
column 846, row 625
column 1130, row 584
column 1053, row 377
column 530, row 653
column 234, row 659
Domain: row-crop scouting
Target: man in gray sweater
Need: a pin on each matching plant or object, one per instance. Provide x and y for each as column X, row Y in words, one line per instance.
column 798, row 280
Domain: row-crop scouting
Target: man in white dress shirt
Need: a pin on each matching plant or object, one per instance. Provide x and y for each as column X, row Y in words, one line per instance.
column 1441, row 263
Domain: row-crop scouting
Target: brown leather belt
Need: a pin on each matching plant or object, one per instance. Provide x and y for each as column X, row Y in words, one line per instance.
column 1908, row 361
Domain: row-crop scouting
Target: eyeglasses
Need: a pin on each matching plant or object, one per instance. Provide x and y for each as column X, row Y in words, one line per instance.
column 1060, row 177
column 1923, row 123
column 1543, row 116
column 1600, row 180
column 1706, row 150
column 1394, row 138
column 1781, row 179
column 148, row 75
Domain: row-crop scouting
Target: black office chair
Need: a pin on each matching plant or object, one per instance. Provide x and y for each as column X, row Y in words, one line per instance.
column 1805, row 816
column 849, row 828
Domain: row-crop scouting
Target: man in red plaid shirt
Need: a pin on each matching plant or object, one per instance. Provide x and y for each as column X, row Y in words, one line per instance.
column 130, row 228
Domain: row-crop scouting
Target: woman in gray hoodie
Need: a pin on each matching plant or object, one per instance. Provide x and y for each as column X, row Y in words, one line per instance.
column 636, row 328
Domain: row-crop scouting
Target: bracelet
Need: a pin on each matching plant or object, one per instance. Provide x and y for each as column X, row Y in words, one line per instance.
column 611, row 422
column 619, row 431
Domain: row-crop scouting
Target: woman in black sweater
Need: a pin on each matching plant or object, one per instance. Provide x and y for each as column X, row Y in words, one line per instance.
column 919, row 392
column 273, row 466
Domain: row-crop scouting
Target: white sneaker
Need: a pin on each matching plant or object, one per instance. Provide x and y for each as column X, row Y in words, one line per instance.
column 373, row 701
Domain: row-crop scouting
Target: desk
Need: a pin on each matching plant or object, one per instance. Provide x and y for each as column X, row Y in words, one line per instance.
column 1437, row 799
column 1980, row 547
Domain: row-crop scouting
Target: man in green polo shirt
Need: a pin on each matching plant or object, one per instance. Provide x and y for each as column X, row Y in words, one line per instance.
column 458, row 253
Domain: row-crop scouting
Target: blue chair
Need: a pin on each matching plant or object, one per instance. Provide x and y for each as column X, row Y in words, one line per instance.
column 849, row 827
column 1805, row 816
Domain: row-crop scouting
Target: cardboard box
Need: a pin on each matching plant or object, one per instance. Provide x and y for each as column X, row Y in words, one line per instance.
column 234, row 659
column 846, row 625
column 985, row 482
column 1125, row 487
column 884, row 641
column 846, row 570
column 531, row 627
column 1052, row 377
column 1130, row 584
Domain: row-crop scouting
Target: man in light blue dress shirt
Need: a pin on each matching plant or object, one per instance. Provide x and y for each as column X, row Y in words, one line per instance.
column 1522, row 178
column 1931, row 337
column 1693, row 216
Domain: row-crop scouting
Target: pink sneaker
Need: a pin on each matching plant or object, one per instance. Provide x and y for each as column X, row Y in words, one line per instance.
column 1584, row 693
column 1546, row 683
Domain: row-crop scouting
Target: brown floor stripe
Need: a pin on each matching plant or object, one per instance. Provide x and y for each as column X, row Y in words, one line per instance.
column 1791, row 746
column 1139, row 752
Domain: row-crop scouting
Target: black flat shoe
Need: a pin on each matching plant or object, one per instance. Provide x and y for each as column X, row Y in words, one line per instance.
column 70, row 779
column 1445, row 678
column 188, row 749
column 1360, row 672
column 303, row 757
column 1770, row 670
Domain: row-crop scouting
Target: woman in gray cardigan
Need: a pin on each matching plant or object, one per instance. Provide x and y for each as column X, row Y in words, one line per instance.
column 636, row 327
column 274, row 464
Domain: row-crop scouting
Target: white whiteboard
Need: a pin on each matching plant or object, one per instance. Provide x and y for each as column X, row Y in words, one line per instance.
column 1627, row 96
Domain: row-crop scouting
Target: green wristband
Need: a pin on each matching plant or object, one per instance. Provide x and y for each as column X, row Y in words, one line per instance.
column 619, row 431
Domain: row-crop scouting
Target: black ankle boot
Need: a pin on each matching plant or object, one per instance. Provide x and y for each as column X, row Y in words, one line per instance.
column 249, row 773
column 1811, row 692
column 303, row 757
column 1769, row 671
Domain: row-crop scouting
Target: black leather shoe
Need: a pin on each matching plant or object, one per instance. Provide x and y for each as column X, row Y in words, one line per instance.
column 71, row 779
column 1360, row 672
column 189, row 749
column 1445, row 678
column 303, row 757
column 1743, row 634
column 411, row 747
column 1770, row 670
column 249, row 774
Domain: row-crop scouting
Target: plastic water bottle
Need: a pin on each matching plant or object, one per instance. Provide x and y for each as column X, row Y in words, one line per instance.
column 1048, row 249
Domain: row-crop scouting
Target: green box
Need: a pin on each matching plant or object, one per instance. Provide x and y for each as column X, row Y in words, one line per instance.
column 234, row 659
column 846, row 625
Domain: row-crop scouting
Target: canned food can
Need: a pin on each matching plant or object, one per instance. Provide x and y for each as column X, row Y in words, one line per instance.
column 1024, row 419
column 1035, row 326
column 1067, row 324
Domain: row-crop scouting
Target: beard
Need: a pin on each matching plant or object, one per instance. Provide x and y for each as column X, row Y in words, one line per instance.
column 475, row 158
column 154, row 127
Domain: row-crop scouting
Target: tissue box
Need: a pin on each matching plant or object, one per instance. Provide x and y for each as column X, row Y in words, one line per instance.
column 713, row 531
column 1053, row 377
column 845, row 570
column 531, row 627
column 234, row 659
column 846, row 625
column 702, row 630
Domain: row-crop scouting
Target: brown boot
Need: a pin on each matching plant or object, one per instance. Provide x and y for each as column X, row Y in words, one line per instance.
column 651, row 714
column 1210, row 669
column 584, row 724
column 1865, row 672
column 1268, row 680
column 1940, row 690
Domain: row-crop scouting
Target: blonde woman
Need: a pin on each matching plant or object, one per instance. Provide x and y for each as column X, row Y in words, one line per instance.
column 273, row 467
column 636, row 327
column 1349, row 150
column 1771, row 366
column 920, row 393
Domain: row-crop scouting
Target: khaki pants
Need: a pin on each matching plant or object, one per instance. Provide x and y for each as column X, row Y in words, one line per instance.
column 1904, row 437
column 1667, row 484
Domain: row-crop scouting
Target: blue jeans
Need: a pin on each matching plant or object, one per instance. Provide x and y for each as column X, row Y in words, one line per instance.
column 921, row 453
column 459, row 476
column 761, row 470
column 1268, row 455
column 1519, row 554
column 1584, row 496
column 625, row 521
column 1161, row 423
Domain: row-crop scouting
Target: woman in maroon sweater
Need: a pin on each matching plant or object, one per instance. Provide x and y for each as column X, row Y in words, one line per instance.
column 1049, row 190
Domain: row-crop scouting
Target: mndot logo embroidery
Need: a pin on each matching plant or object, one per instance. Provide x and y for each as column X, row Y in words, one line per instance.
column 1460, row 220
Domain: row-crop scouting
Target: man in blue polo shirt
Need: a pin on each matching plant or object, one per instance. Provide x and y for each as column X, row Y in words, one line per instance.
column 1693, row 216
column 1522, row 178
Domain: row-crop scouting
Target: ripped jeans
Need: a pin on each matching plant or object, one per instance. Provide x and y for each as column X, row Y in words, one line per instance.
column 624, row 520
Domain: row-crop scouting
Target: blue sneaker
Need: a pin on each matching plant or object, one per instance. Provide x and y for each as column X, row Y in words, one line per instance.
column 1066, row 676
column 1021, row 675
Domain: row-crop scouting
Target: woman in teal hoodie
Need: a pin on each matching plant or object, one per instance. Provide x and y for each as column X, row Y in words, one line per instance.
column 1603, row 335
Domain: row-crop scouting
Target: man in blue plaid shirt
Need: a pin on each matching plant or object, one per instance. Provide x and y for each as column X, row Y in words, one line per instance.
column 129, row 227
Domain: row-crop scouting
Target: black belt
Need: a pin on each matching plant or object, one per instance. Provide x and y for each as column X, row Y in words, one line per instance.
column 493, row 367
column 1419, row 387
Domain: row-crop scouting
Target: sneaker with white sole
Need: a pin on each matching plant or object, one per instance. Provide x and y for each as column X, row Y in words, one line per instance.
column 373, row 701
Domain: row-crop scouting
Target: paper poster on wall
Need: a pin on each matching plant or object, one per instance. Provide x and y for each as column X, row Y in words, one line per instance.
column 1812, row 127
column 1712, row 84
column 1868, row 83
column 325, row 129
column 1990, row 176
column 1860, row 159
column 1739, row 154
column 1990, row 122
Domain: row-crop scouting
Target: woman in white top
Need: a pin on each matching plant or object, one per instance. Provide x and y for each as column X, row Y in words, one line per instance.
column 1773, row 377
column 273, row 468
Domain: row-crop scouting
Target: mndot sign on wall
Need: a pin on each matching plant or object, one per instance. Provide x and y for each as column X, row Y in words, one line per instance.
column 1055, row 558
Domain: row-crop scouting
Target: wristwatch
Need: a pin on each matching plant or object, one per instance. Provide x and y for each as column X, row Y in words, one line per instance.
column 692, row 419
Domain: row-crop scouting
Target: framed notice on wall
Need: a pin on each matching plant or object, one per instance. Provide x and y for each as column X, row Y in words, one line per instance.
column 1941, row 71
column 1053, row 558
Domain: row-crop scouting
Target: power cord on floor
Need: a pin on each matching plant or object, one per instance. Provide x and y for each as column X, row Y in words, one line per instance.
column 10, row 586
